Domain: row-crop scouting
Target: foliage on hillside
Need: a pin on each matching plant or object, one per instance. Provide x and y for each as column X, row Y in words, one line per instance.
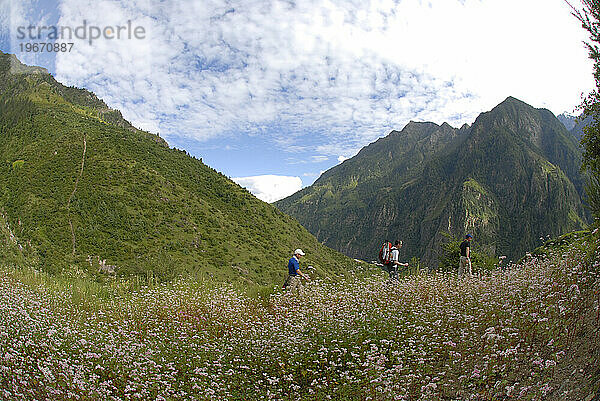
column 507, row 334
column 509, row 179
column 560, row 244
column 87, row 191
column 481, row 261
column 589, row 16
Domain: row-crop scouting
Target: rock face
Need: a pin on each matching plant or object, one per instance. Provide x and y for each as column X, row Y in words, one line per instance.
column 510, row 178
column 86, row 190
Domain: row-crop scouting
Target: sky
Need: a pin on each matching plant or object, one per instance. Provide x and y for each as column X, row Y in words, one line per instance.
column 274, row 92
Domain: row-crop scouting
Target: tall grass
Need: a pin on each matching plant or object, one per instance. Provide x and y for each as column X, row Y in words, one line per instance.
column 429, row 336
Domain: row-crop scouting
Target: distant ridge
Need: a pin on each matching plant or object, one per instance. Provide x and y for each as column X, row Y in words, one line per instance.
column 568, row 120
column 575, row 124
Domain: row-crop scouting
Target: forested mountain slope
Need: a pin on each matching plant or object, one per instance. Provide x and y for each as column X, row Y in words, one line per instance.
column 510, row 178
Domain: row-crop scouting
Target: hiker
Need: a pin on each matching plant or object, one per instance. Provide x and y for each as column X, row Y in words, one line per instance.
column 294, row 272
column 464, row 265
column 394, row 262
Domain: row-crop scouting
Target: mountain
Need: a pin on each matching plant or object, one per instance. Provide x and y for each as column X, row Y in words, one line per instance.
column 82, row 189
column 580, row 124
column 510, row 178
column 575, row 124
column 567, row 120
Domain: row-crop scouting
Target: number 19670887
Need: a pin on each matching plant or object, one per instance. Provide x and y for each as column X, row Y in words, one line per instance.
column 40, row 47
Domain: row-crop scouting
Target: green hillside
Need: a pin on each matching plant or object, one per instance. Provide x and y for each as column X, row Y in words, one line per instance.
column 509, row 179
column 80, row 185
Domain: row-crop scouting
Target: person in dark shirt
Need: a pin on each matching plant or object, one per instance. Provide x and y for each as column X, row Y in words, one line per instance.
column 294, row 273
column 464, row 265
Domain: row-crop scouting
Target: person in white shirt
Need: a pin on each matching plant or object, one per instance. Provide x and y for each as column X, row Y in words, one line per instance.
column 394, row 262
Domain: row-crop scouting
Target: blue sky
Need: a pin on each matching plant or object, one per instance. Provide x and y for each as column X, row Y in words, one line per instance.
column 273, row 92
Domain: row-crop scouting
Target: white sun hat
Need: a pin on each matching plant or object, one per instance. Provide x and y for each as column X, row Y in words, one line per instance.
column 299, row 252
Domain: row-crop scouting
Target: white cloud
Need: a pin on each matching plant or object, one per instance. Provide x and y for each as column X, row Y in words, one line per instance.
column 270, row 188
column 5, row 11
column 21, row 13
column 341, row 159
column 319, row 159
column 343, row 72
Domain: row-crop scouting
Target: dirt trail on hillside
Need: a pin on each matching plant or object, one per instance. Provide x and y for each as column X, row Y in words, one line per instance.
column 73, row 193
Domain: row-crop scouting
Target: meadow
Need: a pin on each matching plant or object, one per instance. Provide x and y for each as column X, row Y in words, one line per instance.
column 506, row 334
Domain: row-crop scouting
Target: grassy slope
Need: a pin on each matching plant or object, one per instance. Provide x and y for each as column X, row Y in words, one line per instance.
column 518, row 333
column 141, row 206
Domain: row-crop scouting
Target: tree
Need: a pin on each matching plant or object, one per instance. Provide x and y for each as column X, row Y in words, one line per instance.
column 589, row 16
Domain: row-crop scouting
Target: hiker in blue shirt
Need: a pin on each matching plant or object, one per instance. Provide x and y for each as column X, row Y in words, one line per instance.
column 294, row 272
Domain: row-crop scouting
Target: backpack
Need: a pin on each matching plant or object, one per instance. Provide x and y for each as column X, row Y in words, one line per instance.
column 385, row 253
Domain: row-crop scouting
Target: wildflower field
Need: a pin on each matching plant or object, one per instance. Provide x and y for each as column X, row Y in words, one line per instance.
column 505, row 335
